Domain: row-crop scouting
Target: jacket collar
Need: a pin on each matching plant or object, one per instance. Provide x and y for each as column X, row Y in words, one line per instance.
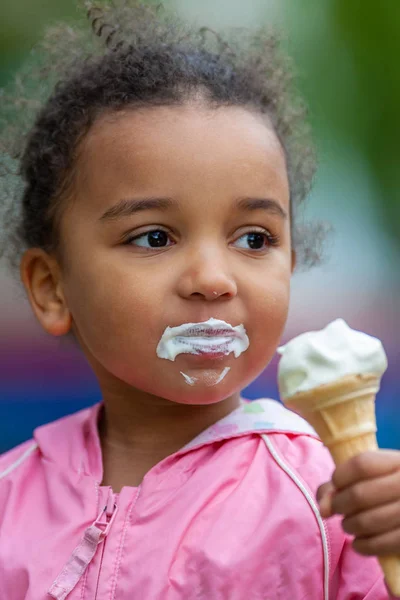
column 256, row 416
column 73, row 441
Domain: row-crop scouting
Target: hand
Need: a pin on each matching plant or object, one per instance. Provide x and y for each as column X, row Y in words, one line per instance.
column 366, row 490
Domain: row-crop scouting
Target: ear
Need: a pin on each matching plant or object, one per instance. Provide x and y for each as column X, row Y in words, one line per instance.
column 294, row 260
column 41, row 277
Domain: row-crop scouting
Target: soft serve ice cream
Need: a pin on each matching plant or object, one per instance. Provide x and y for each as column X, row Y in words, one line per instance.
column 208, row 337
column 321, row 357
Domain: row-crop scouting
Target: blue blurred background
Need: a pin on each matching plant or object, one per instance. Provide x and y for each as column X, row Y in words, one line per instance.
column 346, row 55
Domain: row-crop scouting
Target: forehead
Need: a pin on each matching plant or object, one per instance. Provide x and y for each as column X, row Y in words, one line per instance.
column 179, row 149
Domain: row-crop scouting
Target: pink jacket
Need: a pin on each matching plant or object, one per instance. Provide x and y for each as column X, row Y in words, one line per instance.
column 231, row 516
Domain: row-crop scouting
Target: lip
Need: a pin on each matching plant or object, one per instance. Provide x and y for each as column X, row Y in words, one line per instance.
column 217, row 350
column 204, row 357
column 206, row 332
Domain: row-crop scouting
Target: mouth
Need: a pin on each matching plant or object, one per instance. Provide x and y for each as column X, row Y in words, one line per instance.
column 212, row 339
column 208, row 332
column 205, row 345
column 211, row 328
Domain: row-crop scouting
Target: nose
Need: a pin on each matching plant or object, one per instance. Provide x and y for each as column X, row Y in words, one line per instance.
column 206, row 276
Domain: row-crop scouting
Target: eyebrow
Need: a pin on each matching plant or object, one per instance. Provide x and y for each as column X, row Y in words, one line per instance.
column 267, row 204
column 128, row 207
column 125, row 208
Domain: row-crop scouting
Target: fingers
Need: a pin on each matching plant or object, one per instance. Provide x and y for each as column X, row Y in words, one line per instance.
column 366, row 490
column 380, row 545
column 324, row 497
column 367, row 494
column 367, row 465
column 325, row 488
column 374, row 522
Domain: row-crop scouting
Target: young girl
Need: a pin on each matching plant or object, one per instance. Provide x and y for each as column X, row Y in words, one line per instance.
column 159, row 228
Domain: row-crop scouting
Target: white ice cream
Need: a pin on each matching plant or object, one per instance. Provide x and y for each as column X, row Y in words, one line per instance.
column 189, row 380
column 320, row 357
column 206, row 337
column 211, row 380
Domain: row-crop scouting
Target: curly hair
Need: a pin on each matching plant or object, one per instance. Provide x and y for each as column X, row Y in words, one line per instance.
column 136, row 55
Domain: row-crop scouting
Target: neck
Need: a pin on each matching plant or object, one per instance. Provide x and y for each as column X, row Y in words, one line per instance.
column 138, row 432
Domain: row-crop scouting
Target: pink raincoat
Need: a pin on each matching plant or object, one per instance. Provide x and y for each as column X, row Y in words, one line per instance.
column 231, row 516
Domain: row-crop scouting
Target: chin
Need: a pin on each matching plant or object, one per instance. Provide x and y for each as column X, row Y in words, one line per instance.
column 199, row 394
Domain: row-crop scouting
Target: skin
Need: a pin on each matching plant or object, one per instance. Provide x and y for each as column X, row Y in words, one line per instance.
column 118, row 298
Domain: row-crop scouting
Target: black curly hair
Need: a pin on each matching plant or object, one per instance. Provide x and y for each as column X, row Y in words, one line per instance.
column 136, row 55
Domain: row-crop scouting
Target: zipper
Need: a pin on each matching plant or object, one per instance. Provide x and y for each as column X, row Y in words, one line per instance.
column 110, row 512
column 85, row 551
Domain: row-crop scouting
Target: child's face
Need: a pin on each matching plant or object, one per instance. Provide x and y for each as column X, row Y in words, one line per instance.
column 198, row 263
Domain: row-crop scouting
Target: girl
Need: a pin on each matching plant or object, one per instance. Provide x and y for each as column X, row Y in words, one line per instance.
column 159, row 228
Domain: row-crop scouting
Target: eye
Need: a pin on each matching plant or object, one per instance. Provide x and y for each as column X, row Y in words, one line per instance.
column 256, row 240
column 157, row 238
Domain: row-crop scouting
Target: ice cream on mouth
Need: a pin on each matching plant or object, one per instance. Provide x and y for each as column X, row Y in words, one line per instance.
column 331, row 378
column 205, row 338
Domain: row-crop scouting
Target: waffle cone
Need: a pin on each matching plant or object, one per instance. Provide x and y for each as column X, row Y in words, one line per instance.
column 343, row 415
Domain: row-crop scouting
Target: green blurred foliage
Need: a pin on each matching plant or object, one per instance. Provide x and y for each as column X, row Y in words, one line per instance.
column 346, row 51
column 22, row 23
column 348, row 54
column 371, row 32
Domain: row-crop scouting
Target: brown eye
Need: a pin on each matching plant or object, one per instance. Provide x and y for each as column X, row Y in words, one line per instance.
column 256, row 240
column 157, row 238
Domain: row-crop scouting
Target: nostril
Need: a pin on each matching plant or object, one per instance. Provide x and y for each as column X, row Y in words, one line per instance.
column 205, row 296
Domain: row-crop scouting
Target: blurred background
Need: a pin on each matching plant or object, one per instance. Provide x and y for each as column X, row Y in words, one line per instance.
column 347, row 59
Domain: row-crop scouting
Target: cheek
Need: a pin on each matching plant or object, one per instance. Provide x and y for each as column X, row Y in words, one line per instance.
column 269, row 312
column 114, row 311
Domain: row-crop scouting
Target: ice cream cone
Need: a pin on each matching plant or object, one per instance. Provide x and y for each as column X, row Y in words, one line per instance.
column 343, row 415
